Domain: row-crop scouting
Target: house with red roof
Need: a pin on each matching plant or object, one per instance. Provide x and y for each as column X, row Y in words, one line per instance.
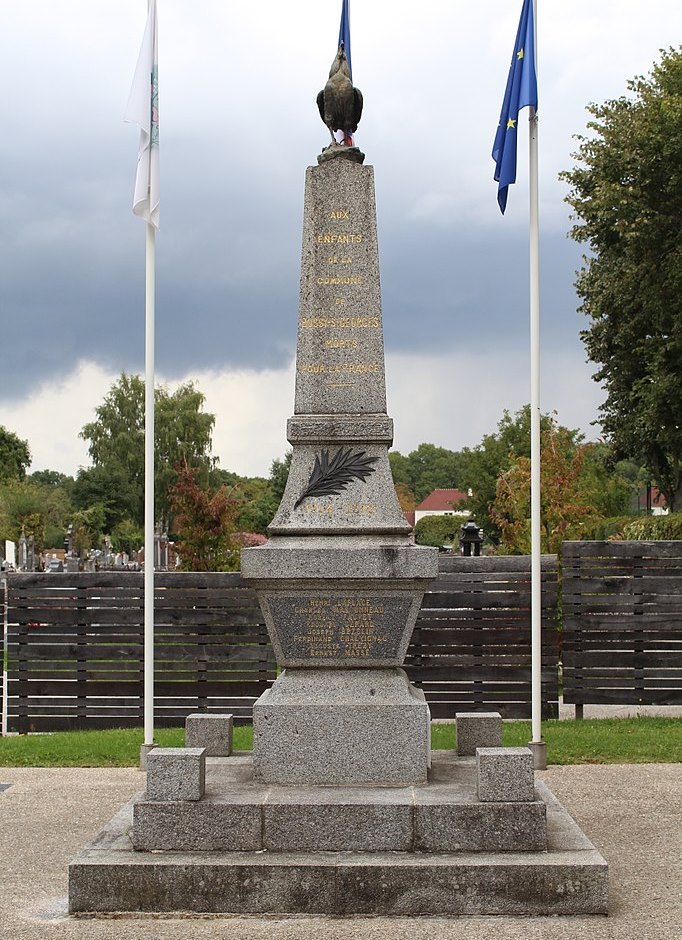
column 442, row 503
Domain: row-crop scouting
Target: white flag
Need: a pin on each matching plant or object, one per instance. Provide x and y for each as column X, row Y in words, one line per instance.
column 143, row 109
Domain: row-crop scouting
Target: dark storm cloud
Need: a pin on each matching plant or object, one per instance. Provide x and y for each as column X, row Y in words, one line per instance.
column 227, row 280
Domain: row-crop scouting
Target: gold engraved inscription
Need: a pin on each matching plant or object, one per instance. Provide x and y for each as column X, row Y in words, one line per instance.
column 357, row 628
column 339, row 238
column 335, row 259
column 318, row 628
column 314, row 508
column 353, row 368
column 339, row 627
column 340, row 323
column 339, row 214
column 334, row 281
column 341, row 344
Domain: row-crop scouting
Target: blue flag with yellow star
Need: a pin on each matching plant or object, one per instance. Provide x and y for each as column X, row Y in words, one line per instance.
column 521, row 91
column 344, row 33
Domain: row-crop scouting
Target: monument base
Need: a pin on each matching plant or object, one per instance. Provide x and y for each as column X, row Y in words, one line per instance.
column 249, row 848
column 339, row 727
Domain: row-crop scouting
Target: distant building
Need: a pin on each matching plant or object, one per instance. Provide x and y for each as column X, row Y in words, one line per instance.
column 650, row 500
column 442, row 503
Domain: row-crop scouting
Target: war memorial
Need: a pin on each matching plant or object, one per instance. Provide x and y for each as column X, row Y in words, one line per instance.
column 342, row 809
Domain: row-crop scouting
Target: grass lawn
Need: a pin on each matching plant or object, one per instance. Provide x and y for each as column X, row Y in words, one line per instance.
column 593, row 741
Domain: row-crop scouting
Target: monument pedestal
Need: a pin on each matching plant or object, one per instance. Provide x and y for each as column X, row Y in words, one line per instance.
column 338, row 812
column 253, row 848
column 342, row 727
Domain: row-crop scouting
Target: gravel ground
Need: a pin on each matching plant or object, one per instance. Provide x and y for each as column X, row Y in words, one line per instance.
column 632, row 813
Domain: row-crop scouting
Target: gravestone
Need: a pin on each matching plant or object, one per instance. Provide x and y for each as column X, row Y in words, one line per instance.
column 340, row 581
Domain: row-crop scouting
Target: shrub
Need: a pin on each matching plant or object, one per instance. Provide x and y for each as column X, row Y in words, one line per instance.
column 438, row 530
column 655, row 528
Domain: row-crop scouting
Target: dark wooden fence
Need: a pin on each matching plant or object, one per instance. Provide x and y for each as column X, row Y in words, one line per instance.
column 470, row 649
column 76, row 645
column 75, row 654
column 76, row 649
column 622, row 623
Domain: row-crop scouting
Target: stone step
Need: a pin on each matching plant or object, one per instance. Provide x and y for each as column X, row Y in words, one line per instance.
column 237, row 814
column 571, row 877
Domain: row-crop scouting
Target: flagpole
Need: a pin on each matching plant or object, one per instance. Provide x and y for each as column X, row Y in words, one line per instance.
column 537, row 745
column 150, row 283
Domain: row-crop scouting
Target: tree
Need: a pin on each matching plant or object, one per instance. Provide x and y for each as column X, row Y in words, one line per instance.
column 427, row 468
column 109, row 486
column 182, row 431
column 405, row 496
column 483, row 464
column 41, row 511
column 279, row 474
column 51, row 478
column 626, row 192
column 15, row 456
column 565, row 507
column 204, row 523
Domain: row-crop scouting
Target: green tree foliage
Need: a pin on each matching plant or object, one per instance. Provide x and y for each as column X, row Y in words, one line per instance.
column 427, row 468
column 484, row 463
column 109, row 486
column 565, row 505
column 438, row 530
column 204, row 522
column 15, row 456
column 127, row 536
column 87, row 528
column 626, row 192
column 279, row 474
column 182, row 432
column 41, row 511
column 51, row 478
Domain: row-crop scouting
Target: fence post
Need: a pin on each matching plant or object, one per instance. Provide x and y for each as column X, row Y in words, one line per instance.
column 5, row 652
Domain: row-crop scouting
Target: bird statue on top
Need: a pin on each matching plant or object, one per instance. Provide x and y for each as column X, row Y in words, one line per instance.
column 339, row 102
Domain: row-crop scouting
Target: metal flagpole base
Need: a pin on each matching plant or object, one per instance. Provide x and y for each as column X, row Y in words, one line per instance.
column 539, row 750
column 144, row 750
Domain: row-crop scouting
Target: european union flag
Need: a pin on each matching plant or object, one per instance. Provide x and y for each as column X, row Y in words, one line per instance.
column 344, row 33
column 521, row 91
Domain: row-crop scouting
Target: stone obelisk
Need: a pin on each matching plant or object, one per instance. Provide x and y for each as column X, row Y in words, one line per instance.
column 340, row 581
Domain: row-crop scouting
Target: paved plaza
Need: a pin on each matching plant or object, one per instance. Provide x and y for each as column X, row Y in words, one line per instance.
column 632, row 813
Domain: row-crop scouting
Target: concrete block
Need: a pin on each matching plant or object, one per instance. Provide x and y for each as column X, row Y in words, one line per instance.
column 341, row 727
column 200, row 826
column 322, row 819
column 480, row 827
column 213, row 732
column 505, row 774
column 477, row 729
column 176, row 773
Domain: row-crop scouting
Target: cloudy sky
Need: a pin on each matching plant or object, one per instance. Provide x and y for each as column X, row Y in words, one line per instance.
column 239, row 125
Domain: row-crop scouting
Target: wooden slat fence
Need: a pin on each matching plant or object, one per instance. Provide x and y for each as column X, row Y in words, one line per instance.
column 470, row 649
column 76, row 645
column 622, row 623
column 76, row 649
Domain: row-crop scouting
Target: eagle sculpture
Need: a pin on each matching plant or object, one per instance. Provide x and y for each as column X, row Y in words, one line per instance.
column 339, row 102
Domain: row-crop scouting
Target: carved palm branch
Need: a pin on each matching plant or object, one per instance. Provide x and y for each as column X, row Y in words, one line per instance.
column 330, row 477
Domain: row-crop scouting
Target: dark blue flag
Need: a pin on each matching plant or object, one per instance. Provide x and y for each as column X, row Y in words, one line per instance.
column 521, row 91
column 344, row 33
